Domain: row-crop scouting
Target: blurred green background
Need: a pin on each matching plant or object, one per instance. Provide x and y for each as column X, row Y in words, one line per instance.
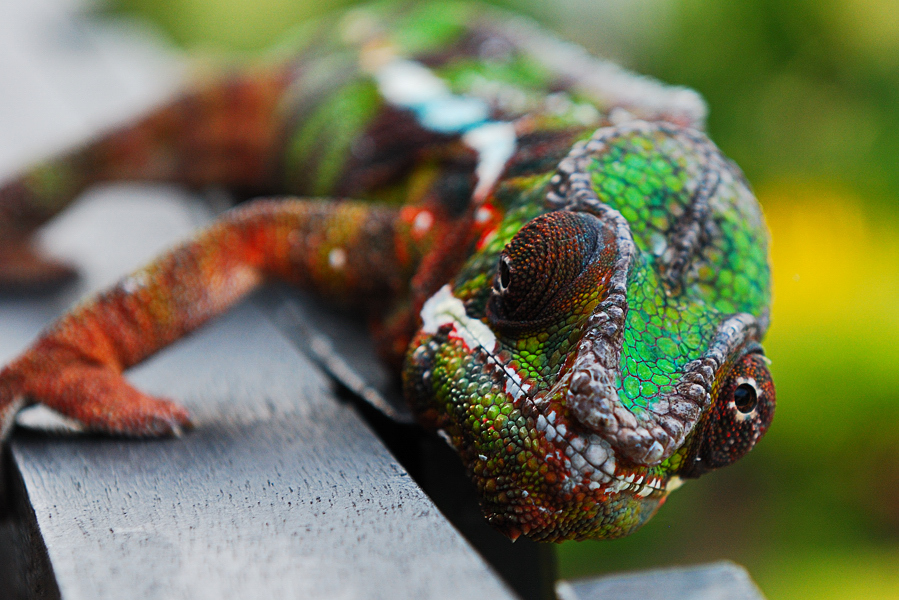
column 804, row 95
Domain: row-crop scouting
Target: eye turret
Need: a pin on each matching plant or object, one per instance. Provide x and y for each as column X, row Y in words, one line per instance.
column 739, row 417
column 551, row 262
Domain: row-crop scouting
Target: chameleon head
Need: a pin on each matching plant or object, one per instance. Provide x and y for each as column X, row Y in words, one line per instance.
column 603, row 343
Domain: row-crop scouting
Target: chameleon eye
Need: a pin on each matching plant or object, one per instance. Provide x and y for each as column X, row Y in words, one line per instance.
column 739, row 417
column 542, row 266
column 745, row 397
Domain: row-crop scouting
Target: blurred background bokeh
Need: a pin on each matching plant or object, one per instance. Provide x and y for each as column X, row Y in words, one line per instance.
column 804, row 95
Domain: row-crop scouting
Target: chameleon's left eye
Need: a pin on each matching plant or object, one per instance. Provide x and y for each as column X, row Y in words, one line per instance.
column 740, row 415
column 544, row 267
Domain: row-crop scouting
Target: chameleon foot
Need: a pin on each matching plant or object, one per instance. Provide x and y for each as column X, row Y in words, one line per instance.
column 22, row 270
column 100, row 399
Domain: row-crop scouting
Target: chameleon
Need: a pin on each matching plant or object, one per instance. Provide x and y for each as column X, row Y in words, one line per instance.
column 571, row 280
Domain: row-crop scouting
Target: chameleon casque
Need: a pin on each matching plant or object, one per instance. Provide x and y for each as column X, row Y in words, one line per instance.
column 571, row 278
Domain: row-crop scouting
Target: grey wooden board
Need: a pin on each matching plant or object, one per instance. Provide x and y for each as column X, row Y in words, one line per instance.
column 280, row 491
column 716, row 581
column 341, row 346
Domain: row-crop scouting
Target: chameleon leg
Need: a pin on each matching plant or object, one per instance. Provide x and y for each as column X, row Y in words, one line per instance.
column 348, row 249
column 223, row 133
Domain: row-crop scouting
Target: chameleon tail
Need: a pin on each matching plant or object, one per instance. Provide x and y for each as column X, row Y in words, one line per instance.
column 350, row 249
column 223, row 133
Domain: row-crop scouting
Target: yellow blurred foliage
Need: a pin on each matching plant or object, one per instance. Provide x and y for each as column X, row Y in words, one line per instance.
column 834, row 265
column 835, row 316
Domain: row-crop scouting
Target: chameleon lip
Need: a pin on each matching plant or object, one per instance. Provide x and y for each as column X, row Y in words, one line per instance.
column 443, row 308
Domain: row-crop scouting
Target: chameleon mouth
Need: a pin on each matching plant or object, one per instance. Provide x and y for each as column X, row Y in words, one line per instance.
column 591, row 457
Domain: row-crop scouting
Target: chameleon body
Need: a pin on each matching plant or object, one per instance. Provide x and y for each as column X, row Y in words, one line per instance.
column 572, row 279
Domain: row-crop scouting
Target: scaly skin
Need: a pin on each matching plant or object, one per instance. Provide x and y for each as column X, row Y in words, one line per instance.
column 572, row 278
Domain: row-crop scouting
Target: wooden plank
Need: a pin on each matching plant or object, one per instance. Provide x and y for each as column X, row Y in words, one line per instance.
column 719, row 581
column 342, row 346
column 280, row 491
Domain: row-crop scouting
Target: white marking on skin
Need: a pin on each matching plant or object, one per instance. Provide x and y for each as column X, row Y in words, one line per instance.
column 586, row 114
column 578, row 443
column 513, row 383
column 443, row 308
column 619, row 116
column 134, row 282
column 608, row 465
column 551, row 435
column 495, row 144
column 423, row 222
column 482, row 215
column 551, row 417
column 578, row 461
column 453, row 113
column 617, row 485
column 658, row 243
column 408, row 84
column 674, row 483
column 413, row 86
column 337, row 258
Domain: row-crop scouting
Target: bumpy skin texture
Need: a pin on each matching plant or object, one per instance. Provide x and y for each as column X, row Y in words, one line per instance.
column 571, row 277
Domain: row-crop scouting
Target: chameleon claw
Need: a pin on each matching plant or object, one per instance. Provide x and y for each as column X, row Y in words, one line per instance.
column 156, row 417
column 102, row 400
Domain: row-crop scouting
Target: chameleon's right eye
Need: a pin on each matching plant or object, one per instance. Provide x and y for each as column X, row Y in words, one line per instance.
column 740, row 416
column 543, row 267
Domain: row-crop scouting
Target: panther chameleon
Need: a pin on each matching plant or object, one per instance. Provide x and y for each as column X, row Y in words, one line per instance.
column 572, row 280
